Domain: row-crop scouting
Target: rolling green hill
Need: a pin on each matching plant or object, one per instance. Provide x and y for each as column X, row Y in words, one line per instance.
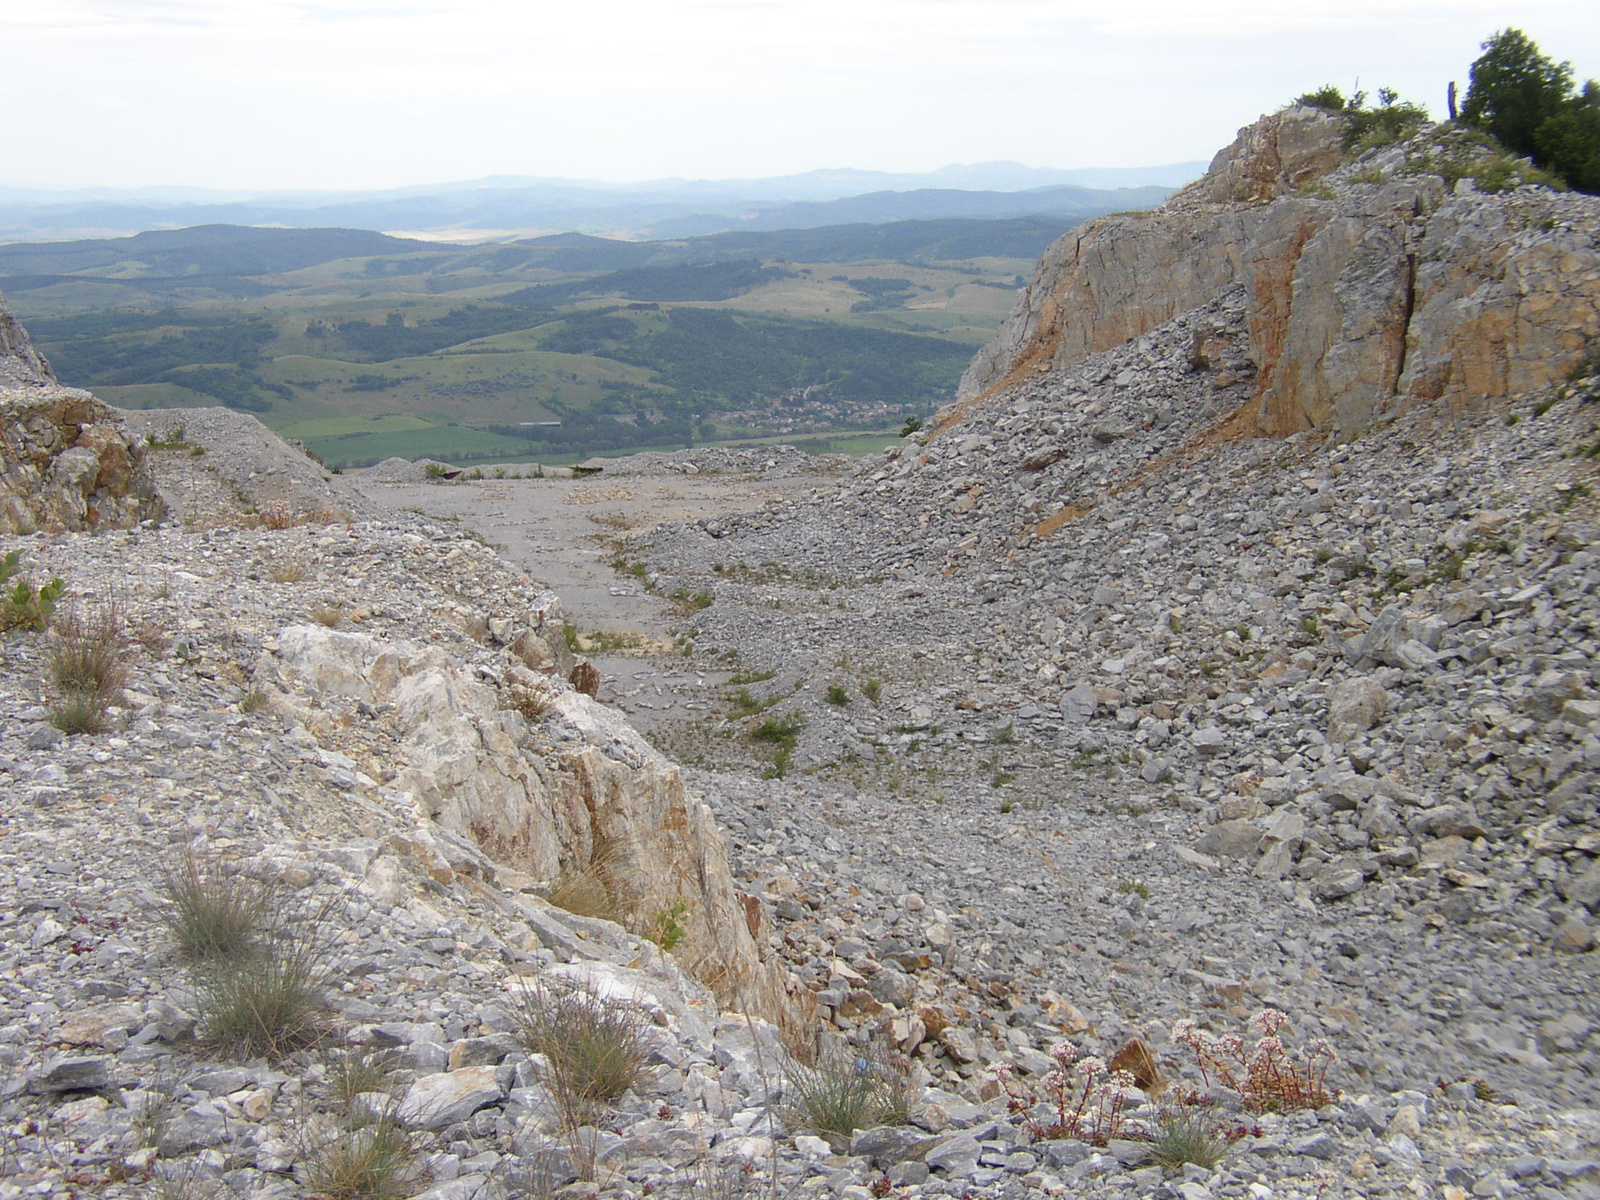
column 366, row 345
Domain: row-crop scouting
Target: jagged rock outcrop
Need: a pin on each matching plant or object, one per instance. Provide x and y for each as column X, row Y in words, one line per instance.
column 598, row 799
column 66, row 461
column 20, row 364
column 1370, row 285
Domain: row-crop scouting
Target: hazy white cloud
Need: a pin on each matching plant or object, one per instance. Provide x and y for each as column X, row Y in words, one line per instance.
column 344, row 93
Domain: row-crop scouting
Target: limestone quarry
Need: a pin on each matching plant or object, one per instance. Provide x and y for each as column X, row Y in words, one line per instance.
column 1231, row 643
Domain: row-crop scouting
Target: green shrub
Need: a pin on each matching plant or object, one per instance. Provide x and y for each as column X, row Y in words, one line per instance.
column 22, row 607
column 1392, row 120
column 1530, row 104
column 1326, row 97
column 837, row 695
column 872, row 689
column 666, row 925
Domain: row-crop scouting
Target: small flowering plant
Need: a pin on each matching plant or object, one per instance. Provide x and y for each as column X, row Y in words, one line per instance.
column 1085, row 1100
column 1268, row 1076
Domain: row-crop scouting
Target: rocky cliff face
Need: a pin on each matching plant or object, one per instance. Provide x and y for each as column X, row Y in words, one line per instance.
column 1370, row 285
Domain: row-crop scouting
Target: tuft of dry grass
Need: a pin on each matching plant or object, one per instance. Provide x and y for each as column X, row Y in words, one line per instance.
column 358, row 1070
column 213, row 913
column 594, row 1046
column 331, row 615
column 287, row 570
column 535, row 704
column 584, row 892
column 277, row 514
column 87, row 664
column 382, row 1160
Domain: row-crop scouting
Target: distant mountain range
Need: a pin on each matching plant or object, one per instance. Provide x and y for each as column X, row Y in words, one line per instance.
column 659, row 208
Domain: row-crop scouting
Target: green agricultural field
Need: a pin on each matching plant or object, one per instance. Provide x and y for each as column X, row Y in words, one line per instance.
column 449, row 443
column 154, row 395
column 340, row 427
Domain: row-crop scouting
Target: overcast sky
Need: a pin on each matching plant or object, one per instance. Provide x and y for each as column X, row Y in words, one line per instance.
column 381, row 93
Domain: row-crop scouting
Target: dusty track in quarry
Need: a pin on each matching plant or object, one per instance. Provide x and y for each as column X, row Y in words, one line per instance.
column 571, row 533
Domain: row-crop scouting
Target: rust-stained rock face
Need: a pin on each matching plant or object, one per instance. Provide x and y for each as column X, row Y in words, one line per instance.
column 67, row 462
column 1370, row 286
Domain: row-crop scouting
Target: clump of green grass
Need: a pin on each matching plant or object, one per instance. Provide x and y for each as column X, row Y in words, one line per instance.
column 837, row 695
column 845, row 1090
column 269, row 1003
column 692, row 602
column 872, row 689
column 594, row 1047
column 781, row 762
column 79, row 712
column 1005, row 735
column 744, row 677
column 746, row 705
column 779, row 731
column 1184, row 1133
column 259, row 962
